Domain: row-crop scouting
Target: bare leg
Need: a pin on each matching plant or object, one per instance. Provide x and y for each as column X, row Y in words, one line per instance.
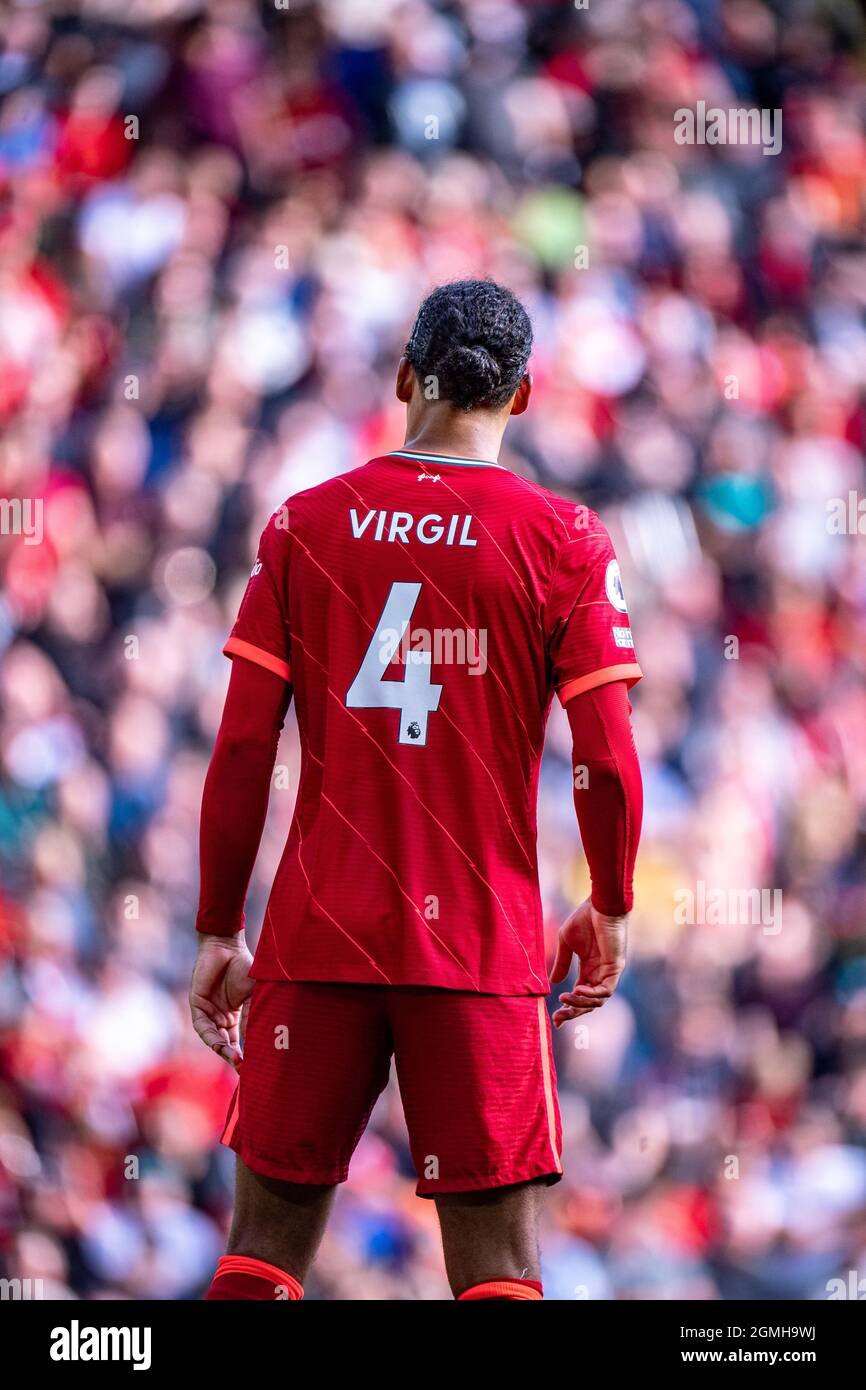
column 280, row 1222
column 490, row 1235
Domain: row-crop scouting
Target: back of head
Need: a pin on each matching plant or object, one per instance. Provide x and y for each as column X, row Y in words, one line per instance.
column 474, row 338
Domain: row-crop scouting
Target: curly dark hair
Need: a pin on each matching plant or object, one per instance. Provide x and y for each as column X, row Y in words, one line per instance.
column 474, row 337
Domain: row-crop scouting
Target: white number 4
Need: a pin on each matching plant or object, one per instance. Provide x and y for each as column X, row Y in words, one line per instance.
column 414, row 696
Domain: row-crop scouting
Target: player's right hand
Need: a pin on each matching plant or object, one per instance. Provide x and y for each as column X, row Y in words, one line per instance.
column 220, row 988
column 599, row 942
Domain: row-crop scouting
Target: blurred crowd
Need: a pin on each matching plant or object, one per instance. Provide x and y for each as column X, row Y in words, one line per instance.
column 216, row 223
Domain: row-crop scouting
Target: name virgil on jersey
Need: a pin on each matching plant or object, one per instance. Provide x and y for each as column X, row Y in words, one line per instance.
column 428, row 529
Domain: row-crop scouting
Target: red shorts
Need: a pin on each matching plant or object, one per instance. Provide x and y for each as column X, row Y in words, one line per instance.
column 475, row 1071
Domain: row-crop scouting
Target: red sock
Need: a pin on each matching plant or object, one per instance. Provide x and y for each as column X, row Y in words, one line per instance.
column 241, row 1277
column 503, row 1289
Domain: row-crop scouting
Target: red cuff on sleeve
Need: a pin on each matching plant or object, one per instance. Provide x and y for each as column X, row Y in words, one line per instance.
column 236, row 646
column 630, row 673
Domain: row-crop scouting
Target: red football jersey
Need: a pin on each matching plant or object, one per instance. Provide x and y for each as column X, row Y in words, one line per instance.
column 425, row 609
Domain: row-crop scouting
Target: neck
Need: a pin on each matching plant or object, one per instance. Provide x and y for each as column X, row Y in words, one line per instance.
column 457, row 436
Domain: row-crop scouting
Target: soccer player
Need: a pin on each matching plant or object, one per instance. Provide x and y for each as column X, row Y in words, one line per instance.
column 422, row 611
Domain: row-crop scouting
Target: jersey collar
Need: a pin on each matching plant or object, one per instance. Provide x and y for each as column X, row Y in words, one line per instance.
column 414, row 455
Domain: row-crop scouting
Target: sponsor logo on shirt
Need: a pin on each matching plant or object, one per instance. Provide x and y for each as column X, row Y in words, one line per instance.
column 622, row 636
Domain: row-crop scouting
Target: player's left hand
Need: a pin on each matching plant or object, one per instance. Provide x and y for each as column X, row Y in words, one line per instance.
column 219, row 994
column 599, row 942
